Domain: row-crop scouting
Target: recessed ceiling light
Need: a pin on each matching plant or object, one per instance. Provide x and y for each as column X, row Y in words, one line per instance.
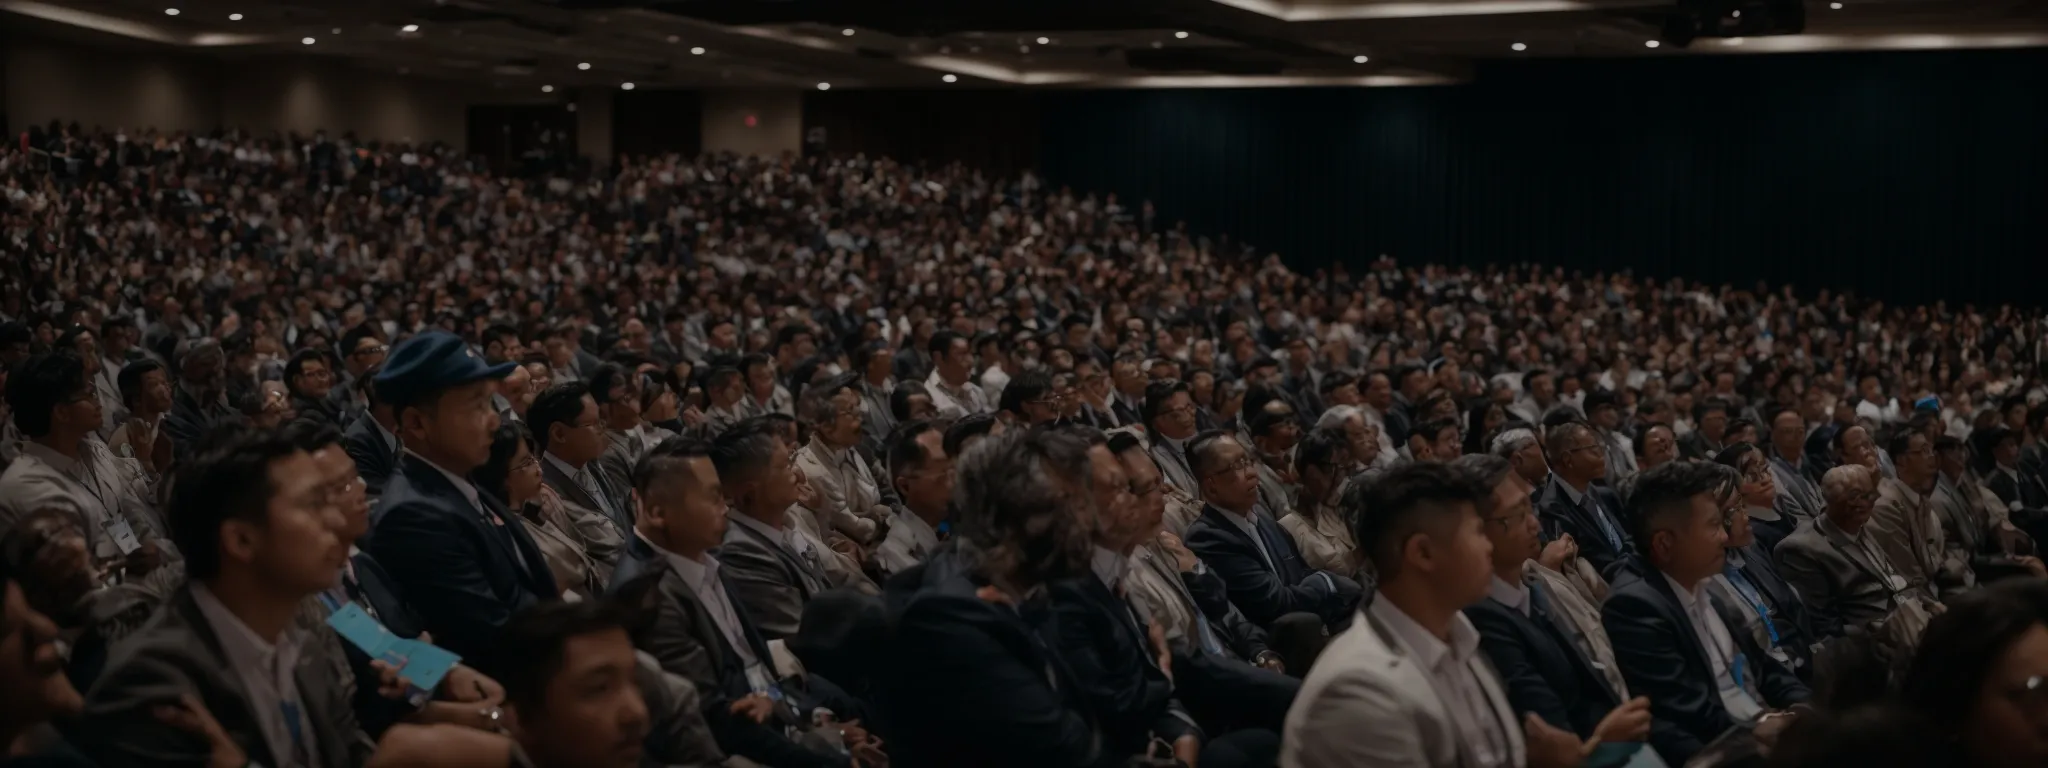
column 1023, row 49
column 170, row 11
column 847, row 31
column 1834, row 6
column 674, row 39
column 1651, row 44
column 1045, row 41
column 1158, row 44
column 306, row 40
column 697, row 51
column 234, row 17
column 409, row 28
column 949, row 79
column 547, row 89
column 334, row 31
column 1181, row 35
column 1735, row 15
column 824, row 86
column 625, row 86
column 1732, row 41
column 582, row 65
column 1360, row 59
column 1520, row 46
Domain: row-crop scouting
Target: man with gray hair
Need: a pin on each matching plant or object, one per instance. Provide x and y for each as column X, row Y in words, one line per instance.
column 850, row 500
column 1362, row 434
column 981, row 683
column 1525, row 453
column 1842, row 575
column 201, row 400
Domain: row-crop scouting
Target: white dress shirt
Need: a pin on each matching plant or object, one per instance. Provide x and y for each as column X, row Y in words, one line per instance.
column 1449, row 667
column 956, row 402
column 265, row 671
column 1720, row 648
column 909, row 542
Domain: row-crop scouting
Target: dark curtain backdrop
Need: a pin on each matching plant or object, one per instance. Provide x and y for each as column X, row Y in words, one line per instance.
column 657, row 121
column 995, row 130
column 1910, row 176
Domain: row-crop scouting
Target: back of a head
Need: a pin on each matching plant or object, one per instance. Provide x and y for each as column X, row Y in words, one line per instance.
column 1874, row 736
column 1388, row 510
column 1961, row 649
column 960, row 432
column 1016, row 496
column 663, row 458
column 1029, row 386
column 745, row 448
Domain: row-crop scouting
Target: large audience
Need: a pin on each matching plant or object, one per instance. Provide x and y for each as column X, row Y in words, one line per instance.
column 322, row 452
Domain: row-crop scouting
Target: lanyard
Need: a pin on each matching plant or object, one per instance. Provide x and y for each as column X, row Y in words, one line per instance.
column 1755, row 599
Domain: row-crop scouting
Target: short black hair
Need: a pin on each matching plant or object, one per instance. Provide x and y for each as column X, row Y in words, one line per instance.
column 942, row 342
column 41, row 383
column 491, row 477
column 296, row 366
column 899, row 400
column 1319, row 446
column 603, row 380
column 1433, row 429
column 1023, row 388
column 905, row 452
column 1900, row 441
column 1387, row 510
column 861, row 353
column 787, row 335
column 663, row 455
column 967, row 428
column 1563, row 414
column 310, row 435
column 228, row 480
column 744, row 448
column 1264, row 421
column 1122, row 441
column 1731, row 456
column 1201, row 452
column 558, row 404
column 720, row 378
column 756, row 360
column 1665, row 492
column 535, row 643
column 355, row 335
column 1333, row 382
column 130, row 379
column 1643, row 431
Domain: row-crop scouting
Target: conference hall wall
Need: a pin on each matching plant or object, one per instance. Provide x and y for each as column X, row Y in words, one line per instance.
column 1910, row 176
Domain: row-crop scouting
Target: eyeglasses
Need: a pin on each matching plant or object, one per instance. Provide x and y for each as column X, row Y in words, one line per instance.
column 525, row 464
column 595, row 426
column 1756, row 473
column 1183, row 410
column 1589, row 447
column 376, row 350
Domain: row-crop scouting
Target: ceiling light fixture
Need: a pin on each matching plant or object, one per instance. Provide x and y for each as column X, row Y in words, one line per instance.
column 1183, row 35
column 1045, row 41
column 306, row 40
column 847, row 31
column 170, row 11
column 1651, row 44
column 949, row 79
column 1360, row 59
column 673, row 39
column 1519, row 47
column 696, row 51
column 1023, row 49
column 824, row 86
column 547, row 89
column 583, row 65
column 409, row 28
column 1158, row 44
column 1834, row 6
column 334, row 31
column 625, row 86
column 234, row 17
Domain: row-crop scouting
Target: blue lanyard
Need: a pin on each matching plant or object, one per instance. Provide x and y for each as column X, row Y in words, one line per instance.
column 1755, row 600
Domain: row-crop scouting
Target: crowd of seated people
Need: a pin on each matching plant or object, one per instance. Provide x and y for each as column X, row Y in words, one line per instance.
column 842, row 462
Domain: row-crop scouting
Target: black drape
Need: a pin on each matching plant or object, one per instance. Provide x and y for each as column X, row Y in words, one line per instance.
column 1912, row 176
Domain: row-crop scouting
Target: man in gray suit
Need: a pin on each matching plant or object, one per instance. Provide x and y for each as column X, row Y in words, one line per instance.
column 1844, row 577
column 255, row 552
column 771, row 564
column 1406, row 684
column 565, row 423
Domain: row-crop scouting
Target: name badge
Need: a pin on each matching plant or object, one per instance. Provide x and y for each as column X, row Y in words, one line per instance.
column 123, row 536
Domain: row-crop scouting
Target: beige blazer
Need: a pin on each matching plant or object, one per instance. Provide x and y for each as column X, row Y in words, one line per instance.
column 1903, row 524
column 849, row 500
column 1326, row 542
column 1367, row 702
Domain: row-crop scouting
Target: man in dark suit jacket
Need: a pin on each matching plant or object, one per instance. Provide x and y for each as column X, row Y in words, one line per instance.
column 565, row 423
column 1573, row 504
column 1842, row 577
column 372, row 441
column 1256, row 558
column 213, row 635
column 457, row 554
column 1539, row 658
column 1701, row 678
column 697, row 628
column 772, row 565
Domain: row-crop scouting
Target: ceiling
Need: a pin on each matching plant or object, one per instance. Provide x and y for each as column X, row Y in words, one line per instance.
column 1050, row 43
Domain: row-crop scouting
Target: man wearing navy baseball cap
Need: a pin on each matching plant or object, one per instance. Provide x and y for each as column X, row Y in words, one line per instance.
column 462, row 560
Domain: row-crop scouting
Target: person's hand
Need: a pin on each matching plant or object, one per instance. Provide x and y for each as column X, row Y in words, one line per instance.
column 1770, row 726
column 1271, row 661
column 1628, row 722
column 391, row 682
column 466, row 685
column 1159, row 648
column 866, row 749
column 692, row 417
column 2032, row 564
column 1558, row 552
column 1183, row 560
column 143, row 560
column 1186, row 749
column 756, row 707
column 190, row 716
column 1550, row 747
